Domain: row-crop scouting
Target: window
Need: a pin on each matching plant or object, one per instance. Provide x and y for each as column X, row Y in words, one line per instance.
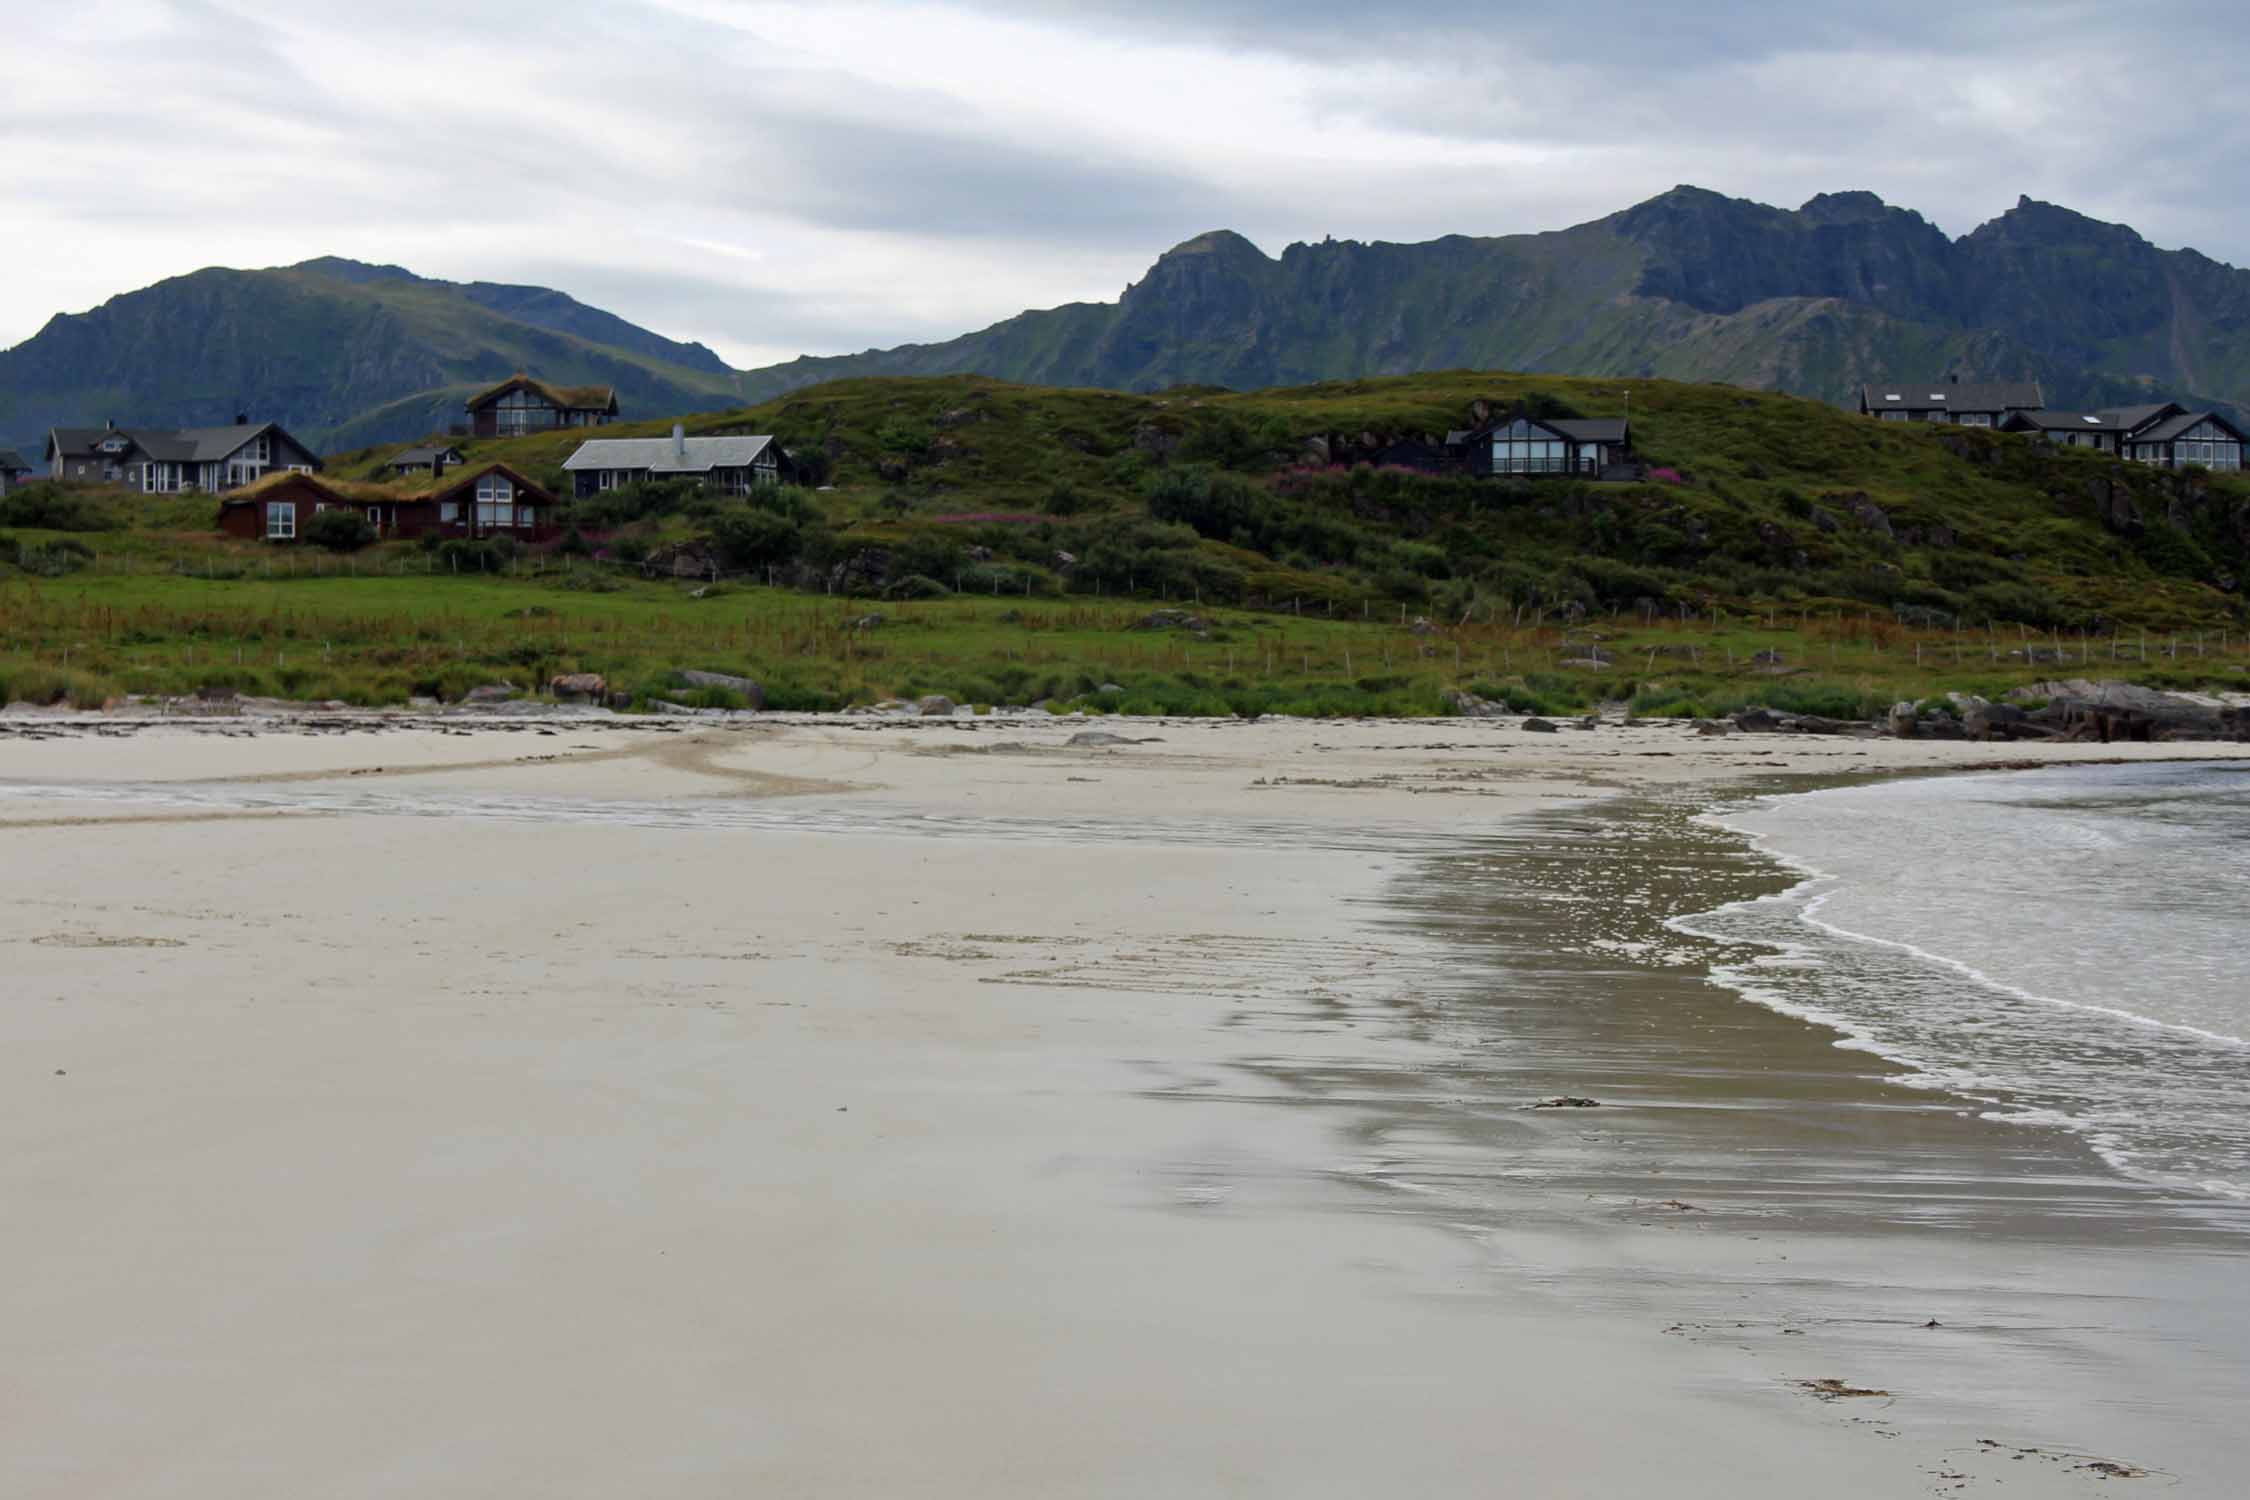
column 495, row 497
column 1976, row 419
column 281, row 520
column 300, row 468
column 1527, row 448
column 1897, row 416
column 448, row 513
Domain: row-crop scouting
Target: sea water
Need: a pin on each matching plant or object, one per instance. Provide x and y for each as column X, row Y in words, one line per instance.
column 2067, row 948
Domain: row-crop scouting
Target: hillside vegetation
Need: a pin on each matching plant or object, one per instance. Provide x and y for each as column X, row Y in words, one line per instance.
column 1020, row 543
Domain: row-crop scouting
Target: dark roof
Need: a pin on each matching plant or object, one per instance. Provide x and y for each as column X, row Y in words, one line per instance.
column 81, row 442
column 2128, row 418
column 2067, row 421
column 1577, row 429
column 428, row 453
column 11, row 462
column 567, row 397
column 188, row 445
column 1945, row 395
column 2171, row 427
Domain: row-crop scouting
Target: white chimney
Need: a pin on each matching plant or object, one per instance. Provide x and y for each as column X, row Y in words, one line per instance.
column 679, row 442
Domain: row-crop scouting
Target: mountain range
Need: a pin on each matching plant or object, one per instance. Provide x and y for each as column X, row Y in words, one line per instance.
column 1690, row 285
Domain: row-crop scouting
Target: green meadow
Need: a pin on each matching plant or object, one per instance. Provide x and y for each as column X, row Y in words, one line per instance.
column 1008, row 545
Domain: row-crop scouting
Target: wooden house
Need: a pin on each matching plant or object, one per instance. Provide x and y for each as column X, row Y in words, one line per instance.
column 1518, row 444
column 171, row 461
column 727, row 465
column 2178, row 439
column 432, row 459
column 521, row 404
column 1978, row 404
column 488, row 501
column 2166, row 434
column 13, row 470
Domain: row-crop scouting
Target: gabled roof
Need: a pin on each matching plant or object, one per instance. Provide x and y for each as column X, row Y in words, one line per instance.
column 2065, row 421
column 2171, row 427
column 567, row 397
column 187, row 445
column 11, row 462
column 1577, row 429
column 1945, row 395
column 83, row 442
column 2132, row 418
column 663, row 455
column 428, row 453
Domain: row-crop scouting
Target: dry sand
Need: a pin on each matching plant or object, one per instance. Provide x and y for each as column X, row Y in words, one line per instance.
column 832, row 1107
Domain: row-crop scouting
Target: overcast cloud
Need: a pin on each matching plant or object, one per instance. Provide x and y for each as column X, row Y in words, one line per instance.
column 775, row 178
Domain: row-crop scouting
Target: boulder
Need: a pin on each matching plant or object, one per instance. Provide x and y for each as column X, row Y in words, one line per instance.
column 1902, row 721
column 1757, row 721
column 579, row 687
column 1470, row 706
column 935, row 706
column 1715, row 726
column 752, row 694
column 490, row 692
column 1538, row 726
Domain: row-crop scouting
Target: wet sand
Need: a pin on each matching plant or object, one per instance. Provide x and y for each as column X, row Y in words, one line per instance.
column 827, row 1107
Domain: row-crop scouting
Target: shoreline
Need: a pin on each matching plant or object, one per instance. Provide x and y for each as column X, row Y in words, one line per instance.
column 895, row 1110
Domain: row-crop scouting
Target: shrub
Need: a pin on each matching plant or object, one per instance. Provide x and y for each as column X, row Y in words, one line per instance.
column 50, row 507
column 755, row 538
column 339, row 529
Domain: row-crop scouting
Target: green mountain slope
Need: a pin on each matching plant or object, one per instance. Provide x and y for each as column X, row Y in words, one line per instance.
column 1689, row 286
column 332, row 350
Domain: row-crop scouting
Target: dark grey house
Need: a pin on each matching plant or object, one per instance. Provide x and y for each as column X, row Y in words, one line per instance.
column 2180, row 438
column 159, row 461
column 729, row 465
column 13, row 470
column 2167, row 435
column 1590, row 448
column 1984, row 404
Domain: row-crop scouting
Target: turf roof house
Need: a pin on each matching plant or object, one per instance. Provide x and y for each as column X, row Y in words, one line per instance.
column 1520, row 444
column 729, row 465
column 166, row 461
column 492, row 500
column 432, row 459
column 521, row 404
column 1983, row 404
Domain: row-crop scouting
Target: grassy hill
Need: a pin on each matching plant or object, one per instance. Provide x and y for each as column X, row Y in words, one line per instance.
column 1017, row 539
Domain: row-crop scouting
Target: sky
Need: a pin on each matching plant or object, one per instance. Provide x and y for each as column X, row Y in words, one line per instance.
column 783, row 178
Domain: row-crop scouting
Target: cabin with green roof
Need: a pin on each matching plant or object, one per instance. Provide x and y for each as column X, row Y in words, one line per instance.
column 520, row 405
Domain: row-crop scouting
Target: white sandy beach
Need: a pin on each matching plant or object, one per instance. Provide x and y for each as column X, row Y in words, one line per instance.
column 831, row 1107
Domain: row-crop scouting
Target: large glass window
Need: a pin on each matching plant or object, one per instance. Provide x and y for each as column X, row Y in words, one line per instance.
column 495, row 501
column 1527, row 448
column 281, row 520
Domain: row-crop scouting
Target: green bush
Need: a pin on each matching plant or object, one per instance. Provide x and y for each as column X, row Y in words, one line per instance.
column 50, row 507
column 754, row 539
column 339, row 529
